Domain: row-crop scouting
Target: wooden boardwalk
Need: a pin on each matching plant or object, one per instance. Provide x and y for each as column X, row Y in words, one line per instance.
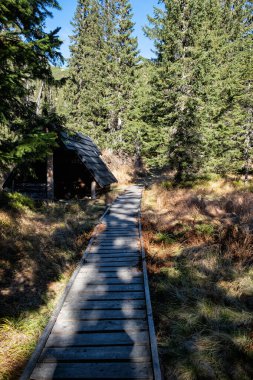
column 104, row 328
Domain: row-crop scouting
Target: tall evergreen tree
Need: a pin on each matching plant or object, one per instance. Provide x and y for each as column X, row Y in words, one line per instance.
column 85, row 89
column 25, row 55
column 231, row 131
column 199, row 81
column 122, row 62
column 179, row 83
column 102, row 69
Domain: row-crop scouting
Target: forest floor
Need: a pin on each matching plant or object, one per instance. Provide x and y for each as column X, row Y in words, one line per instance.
column 40, row 247
column 199, row 246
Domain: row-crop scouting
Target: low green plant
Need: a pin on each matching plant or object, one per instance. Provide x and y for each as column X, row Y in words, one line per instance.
column 16, row 201
column 164, row 237
column 206, row 229
column 167, row 185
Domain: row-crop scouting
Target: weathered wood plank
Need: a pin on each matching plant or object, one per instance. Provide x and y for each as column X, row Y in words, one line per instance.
column 74, row 327
column 121, row 274
column 107, row 288
column 47, row 371
column 85, row 354
column 122, row 264
column 124, row 259
column 116, row 254
column 107, row 281
column 98, row 304
column 96, row 315
column 129, row 336
column 106, row 296
column 119, row 251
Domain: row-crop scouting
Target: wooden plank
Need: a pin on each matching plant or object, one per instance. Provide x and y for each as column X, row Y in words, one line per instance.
column 110, row 259
column 113, row 250
column 115, row 254
column 118, row 270
column 85, row 354
column 46, row 371
column 108, row 288
column 121, row 274
column 100, row 304
column 96, row 315
column 127, row 337
column 107, row 281
column 106, row 296
column 74, row 327
column 121, row 264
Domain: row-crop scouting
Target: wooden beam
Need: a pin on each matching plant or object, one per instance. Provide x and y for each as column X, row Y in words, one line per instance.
column 93, row 189
column 50, row 177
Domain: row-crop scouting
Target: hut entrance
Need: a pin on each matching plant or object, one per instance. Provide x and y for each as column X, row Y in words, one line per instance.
column 71, row 178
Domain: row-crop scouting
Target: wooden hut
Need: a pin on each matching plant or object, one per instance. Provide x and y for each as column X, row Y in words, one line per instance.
column 74, row 169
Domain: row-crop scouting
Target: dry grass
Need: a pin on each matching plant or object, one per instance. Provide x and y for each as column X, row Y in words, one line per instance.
column 121, row 166
column 39, row 251
column 199, row 243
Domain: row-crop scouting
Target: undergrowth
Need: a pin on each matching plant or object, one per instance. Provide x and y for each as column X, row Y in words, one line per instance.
column 199, row 243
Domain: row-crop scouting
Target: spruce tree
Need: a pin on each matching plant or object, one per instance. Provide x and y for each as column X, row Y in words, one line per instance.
column 122, row 55
column 232, row 138
column 178, row 84
column 85, row 89
column 202, row 89
column 102, row 69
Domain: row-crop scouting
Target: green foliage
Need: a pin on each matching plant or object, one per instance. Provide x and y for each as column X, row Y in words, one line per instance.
column 102, row 71
column 163, row 237
column 205, row 229
column 201, row 89
column 25, row 54
column 167, row 185
column 16, row 201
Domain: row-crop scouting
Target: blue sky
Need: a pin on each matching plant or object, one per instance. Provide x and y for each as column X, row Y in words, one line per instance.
column 141, row 8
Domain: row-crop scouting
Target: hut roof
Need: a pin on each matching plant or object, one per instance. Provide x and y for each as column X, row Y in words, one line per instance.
column 89, row 154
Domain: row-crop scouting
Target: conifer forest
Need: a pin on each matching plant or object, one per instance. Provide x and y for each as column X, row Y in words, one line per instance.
column 180, row 124
column 189, row 108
